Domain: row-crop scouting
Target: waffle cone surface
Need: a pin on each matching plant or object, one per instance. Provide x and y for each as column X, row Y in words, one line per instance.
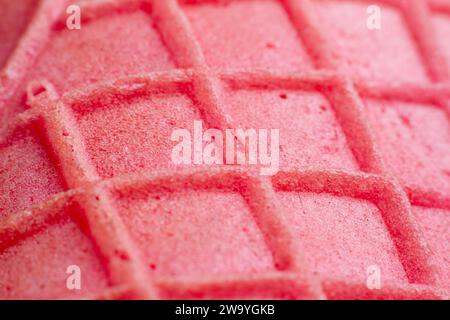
column 361, row 197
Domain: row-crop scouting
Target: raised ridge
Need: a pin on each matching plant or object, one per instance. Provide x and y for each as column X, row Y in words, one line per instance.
column 54, row 114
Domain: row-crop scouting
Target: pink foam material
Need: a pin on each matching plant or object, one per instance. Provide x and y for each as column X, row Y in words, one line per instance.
column 441, row 23
column 414, row 140
column 237, row 35
column 342, row 237
column 86, row 176
column 375, row 55
column 108, row 47
column 145, row 143
column 174, row 241
column 36, row 268
column 309, row 132
column 435, row 224
column 30, row 180
column 15, row 18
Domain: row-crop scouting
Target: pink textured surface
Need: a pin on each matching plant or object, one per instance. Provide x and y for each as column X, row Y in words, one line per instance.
column 385, row 54
column 237, row 35
column 15, row 18
column 113, row 46
column 435, row 225
column 415, row 141
column 441, row 23
column 108, row 47
column 86, row 118
column 134, row 134
column 342, row 237
column 171, row 230
column 28, row 174
column 36, row 268
column 309, row 132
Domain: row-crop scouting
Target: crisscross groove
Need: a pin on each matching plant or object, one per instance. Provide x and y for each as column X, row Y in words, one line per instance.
column 293, row 277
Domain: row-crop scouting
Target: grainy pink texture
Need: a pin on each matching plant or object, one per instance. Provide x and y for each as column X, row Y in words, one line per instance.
column 238, row 35
column 414, row 140
column 435, row 225
column 28, row 175
column 16, row 15
column 132, row 135
column 388, row 54
column 86, row 176
column 309, row 132
column 36, row 268
column 196, row 233
column 103, row 51
column 342, row 237
column 441, row 22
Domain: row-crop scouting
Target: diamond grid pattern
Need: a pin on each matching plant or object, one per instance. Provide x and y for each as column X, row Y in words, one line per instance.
column 293, row 275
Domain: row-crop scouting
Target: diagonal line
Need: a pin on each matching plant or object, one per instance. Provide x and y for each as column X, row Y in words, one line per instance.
column 355, row 125
column 106, row 227
column 207, row 93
